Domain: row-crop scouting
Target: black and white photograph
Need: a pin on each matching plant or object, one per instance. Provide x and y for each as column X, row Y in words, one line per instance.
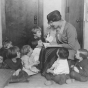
column 43, row 43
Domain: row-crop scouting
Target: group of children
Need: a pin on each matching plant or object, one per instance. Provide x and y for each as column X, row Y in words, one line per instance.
column 27, row 59
column 62, row 72
column 22, row 59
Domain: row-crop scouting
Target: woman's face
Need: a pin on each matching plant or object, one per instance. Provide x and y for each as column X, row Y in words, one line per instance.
column 56, row 24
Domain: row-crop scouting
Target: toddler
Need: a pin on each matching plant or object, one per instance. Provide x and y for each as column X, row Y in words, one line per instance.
column 13, row 60
column 79, row 71
column 6, row 45
column 60, row 69
column 29, row 64
column 37, row 36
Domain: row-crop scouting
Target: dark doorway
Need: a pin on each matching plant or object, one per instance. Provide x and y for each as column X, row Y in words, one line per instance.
column 74, row 15
column 20, row 17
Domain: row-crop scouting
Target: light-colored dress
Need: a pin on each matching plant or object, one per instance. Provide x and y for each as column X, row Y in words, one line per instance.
column 28, row 65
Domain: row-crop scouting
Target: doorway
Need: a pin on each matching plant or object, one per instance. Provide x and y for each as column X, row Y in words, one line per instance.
column 20, row 17
column 74, row 15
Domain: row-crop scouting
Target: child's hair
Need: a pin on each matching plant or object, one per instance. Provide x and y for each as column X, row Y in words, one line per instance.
column 35, row 29
column 25, row 49
column 83, row 53
column 63, row 53
column 12, row 52
column 6, row 42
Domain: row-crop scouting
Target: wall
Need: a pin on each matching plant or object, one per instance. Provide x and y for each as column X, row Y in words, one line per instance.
column 86, row 24
column 50, row 5
column 0, row 27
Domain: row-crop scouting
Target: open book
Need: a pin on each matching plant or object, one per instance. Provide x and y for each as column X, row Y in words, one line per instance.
column 51, row 45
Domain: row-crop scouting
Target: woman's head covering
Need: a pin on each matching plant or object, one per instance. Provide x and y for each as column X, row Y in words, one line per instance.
column 54, row 16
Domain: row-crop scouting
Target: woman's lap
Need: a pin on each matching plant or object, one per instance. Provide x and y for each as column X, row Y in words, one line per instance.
column 47, row 57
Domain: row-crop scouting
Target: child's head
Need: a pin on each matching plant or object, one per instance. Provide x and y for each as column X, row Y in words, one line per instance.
column 36, row 32
column 18, row 51
column 7, row 44
column 12, row 52
column 26, row 50
column 62, row 53
column 81, row 54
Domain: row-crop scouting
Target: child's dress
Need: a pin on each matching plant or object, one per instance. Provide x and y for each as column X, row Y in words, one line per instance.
column 29, row 65
column 36, row 53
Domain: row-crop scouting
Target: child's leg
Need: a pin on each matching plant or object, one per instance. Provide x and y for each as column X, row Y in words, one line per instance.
column 60, row 79
column 49, row 76
column 78, row 77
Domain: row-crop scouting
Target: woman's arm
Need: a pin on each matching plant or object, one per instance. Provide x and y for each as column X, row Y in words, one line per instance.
column 71, row 37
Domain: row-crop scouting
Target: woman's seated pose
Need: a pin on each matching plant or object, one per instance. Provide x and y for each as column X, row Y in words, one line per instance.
column 59, row 34
column 59, row 71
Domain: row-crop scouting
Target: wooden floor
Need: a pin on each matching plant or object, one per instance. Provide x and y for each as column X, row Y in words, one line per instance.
column 38, row 81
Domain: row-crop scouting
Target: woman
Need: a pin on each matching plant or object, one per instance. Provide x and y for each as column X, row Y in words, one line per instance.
column 63, row 34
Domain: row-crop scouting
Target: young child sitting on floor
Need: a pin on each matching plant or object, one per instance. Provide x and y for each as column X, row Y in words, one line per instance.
column 37, row 36
column 13, row 60
column 6, row 45
column 29, row 64
column 79, row 71
column 60, row 69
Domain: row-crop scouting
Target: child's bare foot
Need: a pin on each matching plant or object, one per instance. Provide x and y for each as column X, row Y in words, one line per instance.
column 68, row 81
column 48, row 83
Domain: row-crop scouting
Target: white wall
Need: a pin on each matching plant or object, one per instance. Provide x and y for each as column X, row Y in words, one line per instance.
column 51, row 5
column 85, row 30
column 0, row 27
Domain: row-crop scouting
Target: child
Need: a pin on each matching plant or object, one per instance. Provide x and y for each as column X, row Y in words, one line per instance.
column 28, row 60
column 60, row 69
column 37, row 35
column 79, row 72
column 6, row 45
column 13, row 60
